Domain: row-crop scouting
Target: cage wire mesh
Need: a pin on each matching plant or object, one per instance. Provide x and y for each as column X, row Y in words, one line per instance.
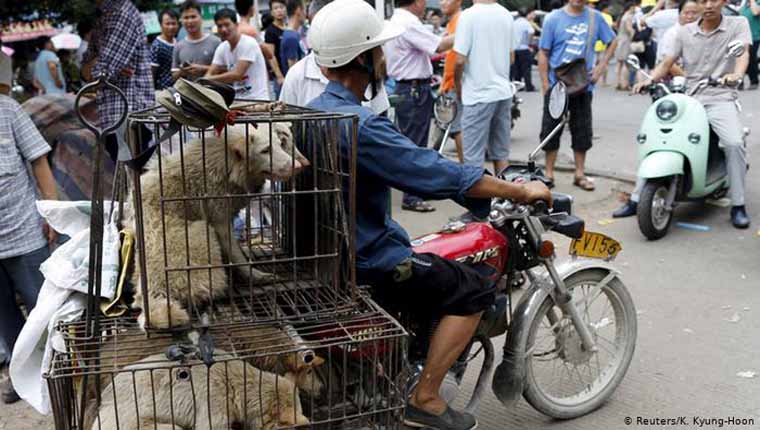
column 245, row 311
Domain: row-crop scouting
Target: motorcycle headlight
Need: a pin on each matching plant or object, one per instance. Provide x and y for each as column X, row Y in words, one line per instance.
column 667, row 110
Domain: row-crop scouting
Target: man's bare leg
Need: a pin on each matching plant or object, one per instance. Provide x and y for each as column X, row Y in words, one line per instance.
column 500, row 165
column 580, row 164
column 460, row 148
column 449, row 340
column 551, row 159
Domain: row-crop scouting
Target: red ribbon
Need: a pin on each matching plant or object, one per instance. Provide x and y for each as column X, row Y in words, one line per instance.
column 228, row 119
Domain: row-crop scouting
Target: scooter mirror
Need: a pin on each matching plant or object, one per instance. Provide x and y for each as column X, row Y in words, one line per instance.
column 633, row 62
column 557, row 100
column 735, row 48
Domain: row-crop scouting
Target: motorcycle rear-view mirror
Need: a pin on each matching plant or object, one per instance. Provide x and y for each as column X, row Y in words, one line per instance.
column 557, row 100
column 633, row 62
column 735, row 48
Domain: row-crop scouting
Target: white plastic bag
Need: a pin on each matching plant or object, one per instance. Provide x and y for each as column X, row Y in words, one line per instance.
column 63, row 296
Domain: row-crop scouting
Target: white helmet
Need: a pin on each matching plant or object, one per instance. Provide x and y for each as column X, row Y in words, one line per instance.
column 344, row 29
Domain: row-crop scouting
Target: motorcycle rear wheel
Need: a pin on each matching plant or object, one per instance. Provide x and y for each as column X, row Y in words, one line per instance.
column 556, row 356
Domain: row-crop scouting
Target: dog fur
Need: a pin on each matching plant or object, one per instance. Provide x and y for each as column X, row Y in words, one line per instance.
column 268, row 343
column 196, row 232
column 197, row 397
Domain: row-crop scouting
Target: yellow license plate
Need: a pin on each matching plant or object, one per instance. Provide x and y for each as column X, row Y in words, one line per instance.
column 595, row 245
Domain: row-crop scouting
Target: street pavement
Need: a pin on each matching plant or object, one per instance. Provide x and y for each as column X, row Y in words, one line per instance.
column 689, row 289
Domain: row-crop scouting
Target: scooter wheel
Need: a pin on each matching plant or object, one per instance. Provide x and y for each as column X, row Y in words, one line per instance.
column 653, row 213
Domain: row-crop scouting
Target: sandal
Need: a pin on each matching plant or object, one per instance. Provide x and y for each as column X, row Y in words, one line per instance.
column 584, row 183
column 418, row 206
column 550, row 183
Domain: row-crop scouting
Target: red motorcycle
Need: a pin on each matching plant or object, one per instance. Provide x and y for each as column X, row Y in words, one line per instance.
column 572, row 334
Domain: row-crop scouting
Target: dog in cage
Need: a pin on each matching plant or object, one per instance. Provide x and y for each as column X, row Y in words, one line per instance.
column 189, row 200
column 228, row 394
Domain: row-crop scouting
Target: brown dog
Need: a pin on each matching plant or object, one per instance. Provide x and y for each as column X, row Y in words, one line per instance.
column 193, row 235
column 149, row 395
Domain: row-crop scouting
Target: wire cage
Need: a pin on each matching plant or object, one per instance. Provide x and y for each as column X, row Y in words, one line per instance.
column 212, row 230
column 325, row 374
column 244, row 311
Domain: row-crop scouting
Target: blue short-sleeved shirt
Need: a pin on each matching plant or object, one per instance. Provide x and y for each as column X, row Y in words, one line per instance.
column 42, row 72
column 290, row 49
column 387, row 159
column 565, row 37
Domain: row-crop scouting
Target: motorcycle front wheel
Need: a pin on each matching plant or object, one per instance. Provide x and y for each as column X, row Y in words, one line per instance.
column 653, row 213
column 563, row 380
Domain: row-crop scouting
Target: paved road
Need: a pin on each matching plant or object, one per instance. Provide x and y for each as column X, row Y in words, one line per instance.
column 687, row 354
column 686, row 287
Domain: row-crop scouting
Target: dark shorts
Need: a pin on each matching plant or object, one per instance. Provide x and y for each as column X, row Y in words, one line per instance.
column 429, row 284
column 579, row 108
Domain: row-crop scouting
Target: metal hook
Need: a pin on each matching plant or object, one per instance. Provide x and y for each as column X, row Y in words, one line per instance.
column 94, row 86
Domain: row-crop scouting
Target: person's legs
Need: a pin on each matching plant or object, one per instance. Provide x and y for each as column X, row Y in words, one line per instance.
column 413, row 115
column 548, row 124
column 460, row 149
column 476, row 131
column 752, row 70
column 500, row 138
column 582, row 133
column 630, row 207
column 527, row 66
column 12, row 320
column 427, row 284
column 451, row 337
column 724, row 119
column 456, row 131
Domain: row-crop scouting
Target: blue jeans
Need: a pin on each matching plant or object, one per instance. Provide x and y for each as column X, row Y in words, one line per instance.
column 18, row 275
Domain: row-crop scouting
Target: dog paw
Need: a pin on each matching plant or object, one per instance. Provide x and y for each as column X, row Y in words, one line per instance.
column 163, row 317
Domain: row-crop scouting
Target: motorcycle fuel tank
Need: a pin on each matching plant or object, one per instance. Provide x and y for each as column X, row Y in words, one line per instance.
column 473, row 244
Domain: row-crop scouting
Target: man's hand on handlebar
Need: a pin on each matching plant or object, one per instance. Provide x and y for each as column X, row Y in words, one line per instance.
column 641, row 86
column 536, row 191
column 731, row 79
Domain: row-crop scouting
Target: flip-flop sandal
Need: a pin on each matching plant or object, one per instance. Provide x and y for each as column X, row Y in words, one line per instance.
column 550, row 185
column 584, row 183
column 418, row 206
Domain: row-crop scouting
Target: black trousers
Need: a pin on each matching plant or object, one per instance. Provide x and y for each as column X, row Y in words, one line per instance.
column 521, row 68
column 414, row 113
column 752, row 70
column 579, row 108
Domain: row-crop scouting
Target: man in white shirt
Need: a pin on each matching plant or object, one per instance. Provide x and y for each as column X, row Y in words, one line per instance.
column 484, row 45
column 305, row 81
column 238, row 60
column 524, row 31
column 408, row 62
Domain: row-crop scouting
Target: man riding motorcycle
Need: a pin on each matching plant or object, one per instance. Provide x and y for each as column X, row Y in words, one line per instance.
column 701, row 46
column 347, row 36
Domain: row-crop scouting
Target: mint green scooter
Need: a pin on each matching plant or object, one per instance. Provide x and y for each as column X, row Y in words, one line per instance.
column 679, row 156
